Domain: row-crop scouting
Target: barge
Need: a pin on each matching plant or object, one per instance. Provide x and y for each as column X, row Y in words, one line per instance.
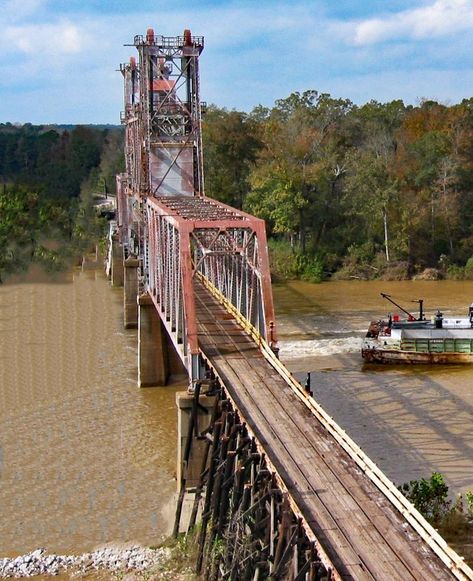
column 415, row 340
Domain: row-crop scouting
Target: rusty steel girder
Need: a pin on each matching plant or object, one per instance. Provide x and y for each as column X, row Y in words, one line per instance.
column 164, row 218
column 191, row 238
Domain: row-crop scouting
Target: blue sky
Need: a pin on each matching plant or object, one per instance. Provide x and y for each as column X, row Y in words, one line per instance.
column 59, row 57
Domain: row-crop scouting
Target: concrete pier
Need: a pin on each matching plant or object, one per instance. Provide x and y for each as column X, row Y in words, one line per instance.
column 117, row 270
column 192, row 468
column 130, row 294
column 153, row 367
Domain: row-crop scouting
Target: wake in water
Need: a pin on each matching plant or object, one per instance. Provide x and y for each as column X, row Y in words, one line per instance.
column 319, row 347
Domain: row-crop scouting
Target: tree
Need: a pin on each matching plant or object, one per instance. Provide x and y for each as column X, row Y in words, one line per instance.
column 370, row 192
column 230, row 147
column 295, row 183
column 18, row 229
column 430, row 497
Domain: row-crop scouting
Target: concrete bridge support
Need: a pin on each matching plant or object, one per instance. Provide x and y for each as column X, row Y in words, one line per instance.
column 153, row 366
column 192, row 420
column 117, row 270
column 157, row 357
column 130, row 294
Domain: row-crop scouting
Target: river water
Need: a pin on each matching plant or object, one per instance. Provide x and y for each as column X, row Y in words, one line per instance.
column 411, row 420
column 85, row 456
column 88, row 458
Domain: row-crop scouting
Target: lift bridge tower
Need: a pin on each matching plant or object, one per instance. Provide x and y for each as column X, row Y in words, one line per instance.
column 162, row 118
column 171, row 239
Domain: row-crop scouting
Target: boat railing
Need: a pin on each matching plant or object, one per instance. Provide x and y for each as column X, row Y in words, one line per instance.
column 444, row 345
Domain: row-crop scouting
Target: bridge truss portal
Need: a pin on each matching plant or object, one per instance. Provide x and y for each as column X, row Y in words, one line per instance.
column 198, row 239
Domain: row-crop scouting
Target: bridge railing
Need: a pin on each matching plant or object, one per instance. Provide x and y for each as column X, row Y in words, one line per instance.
column 123, row 219
column 169, row 278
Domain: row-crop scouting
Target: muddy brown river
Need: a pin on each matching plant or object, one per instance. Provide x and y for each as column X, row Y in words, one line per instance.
column 87, row 458
column 411, row 420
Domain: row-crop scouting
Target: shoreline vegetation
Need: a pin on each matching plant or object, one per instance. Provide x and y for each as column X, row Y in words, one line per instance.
column 452, row 519
column 50, row 180
column 352, row 192
column 287, row 263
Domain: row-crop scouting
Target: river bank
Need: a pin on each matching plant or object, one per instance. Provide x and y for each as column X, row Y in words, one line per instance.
column 114, row 561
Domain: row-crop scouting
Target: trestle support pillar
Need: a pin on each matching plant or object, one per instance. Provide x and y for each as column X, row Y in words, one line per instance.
column 153, row 368
column 117, row 269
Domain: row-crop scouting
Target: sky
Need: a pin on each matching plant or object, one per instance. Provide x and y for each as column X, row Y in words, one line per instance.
column 59, row 58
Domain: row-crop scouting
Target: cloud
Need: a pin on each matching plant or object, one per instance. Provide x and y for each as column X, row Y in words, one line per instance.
column 43, row 39
column 441, row 18
column 61, row 58
column 14, row 11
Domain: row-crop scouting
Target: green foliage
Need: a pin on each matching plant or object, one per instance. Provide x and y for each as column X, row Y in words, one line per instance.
column 430, row 497
column 46, row 199
column 455, row 525
column 283, row 260
column 469, row 500
column 334, row 177
column 55, row 162
column 311, row 268
column 455, row 272
column 389, row 181
column 468, row 270
column 289, row 263
column 230, row 144
column 48, row 232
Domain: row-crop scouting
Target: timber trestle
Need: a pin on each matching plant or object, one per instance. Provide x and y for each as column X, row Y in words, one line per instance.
column 247, row 527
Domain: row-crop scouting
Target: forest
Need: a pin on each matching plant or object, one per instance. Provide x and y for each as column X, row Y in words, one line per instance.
column 49, row 177
column 382, row 190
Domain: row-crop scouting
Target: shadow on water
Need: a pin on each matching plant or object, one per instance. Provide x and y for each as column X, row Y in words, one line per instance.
column 411, row 421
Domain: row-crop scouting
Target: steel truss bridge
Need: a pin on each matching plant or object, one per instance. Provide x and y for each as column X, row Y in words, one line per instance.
column 282, row 492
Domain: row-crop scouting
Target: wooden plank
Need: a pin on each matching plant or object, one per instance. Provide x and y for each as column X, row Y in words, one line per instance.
column 369, row 499
column 336, row 542
column 335, row 498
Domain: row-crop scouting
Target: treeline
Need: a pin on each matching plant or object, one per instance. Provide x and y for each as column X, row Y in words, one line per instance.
column 379, row 190
column 350, row 191
column 49, row 177
column 55, row 162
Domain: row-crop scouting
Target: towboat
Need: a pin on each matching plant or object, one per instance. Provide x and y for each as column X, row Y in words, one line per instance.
column 418, row 340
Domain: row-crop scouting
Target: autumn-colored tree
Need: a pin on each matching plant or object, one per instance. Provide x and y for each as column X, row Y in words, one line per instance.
column 295, row 184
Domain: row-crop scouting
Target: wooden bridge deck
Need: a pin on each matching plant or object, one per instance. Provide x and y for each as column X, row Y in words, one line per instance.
column 362, row 533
